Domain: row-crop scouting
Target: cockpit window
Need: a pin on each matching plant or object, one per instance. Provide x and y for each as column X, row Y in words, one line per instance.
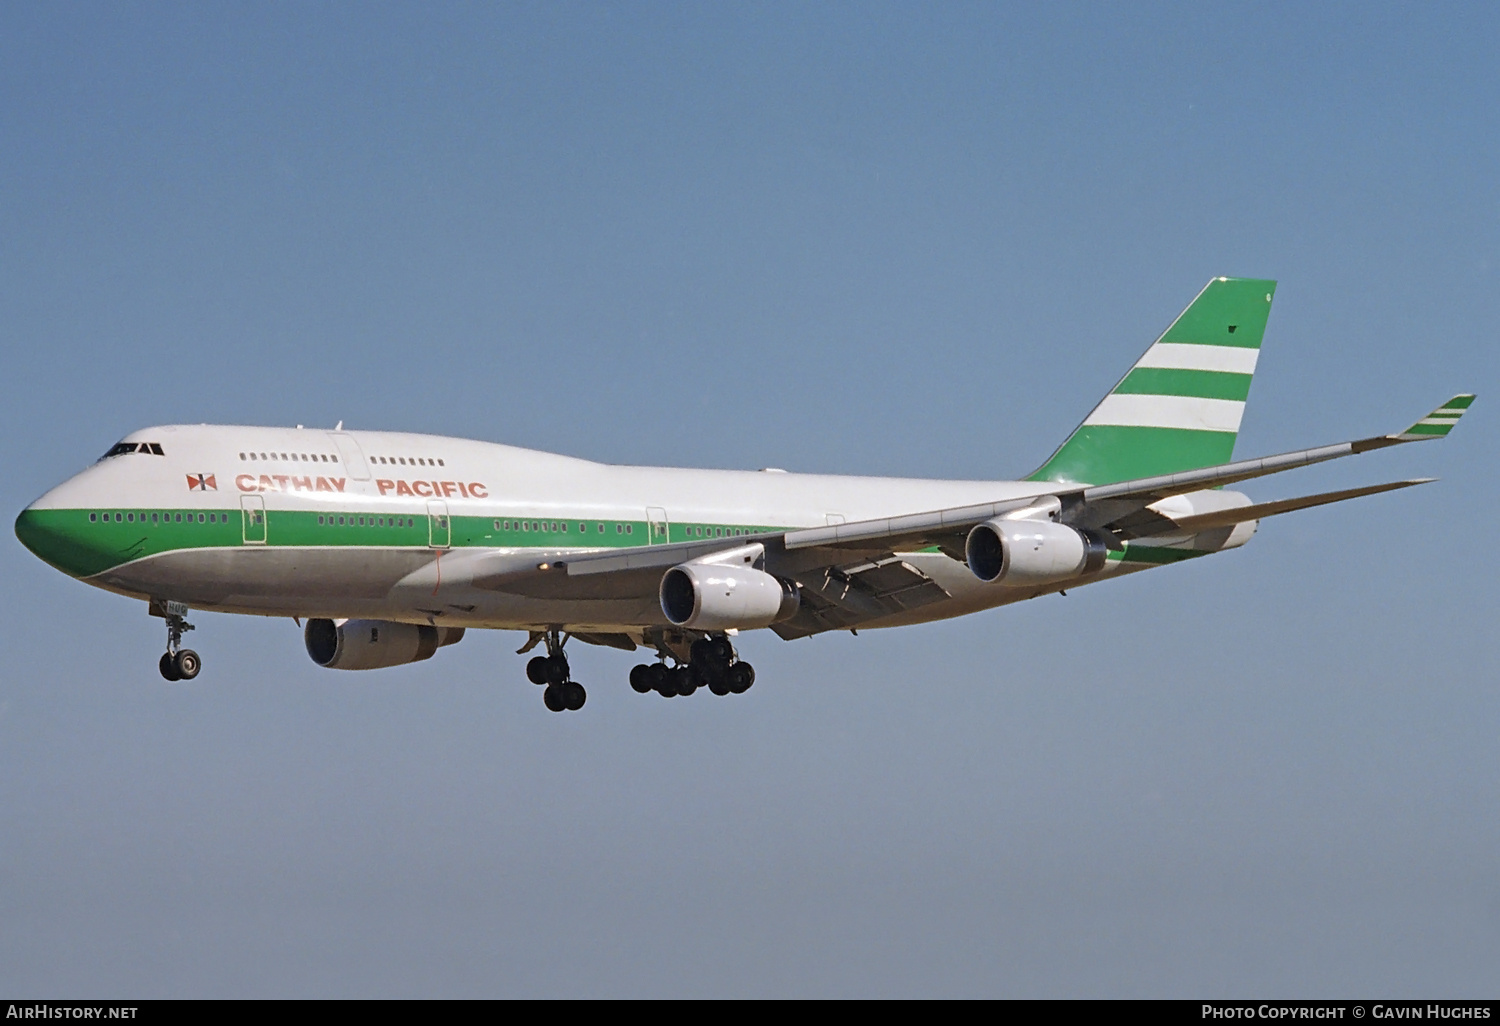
column 121, row 448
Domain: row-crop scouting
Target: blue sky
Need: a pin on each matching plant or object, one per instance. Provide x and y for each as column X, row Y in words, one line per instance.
column 884, row 239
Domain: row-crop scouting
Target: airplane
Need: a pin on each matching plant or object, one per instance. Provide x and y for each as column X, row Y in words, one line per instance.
column 391, row 545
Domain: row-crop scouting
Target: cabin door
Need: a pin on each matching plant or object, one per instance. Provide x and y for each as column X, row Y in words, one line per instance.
column 439, row 527
column 253, row 518
column 658, row 531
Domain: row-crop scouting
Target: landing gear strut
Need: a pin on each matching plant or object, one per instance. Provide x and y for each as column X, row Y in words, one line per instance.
column 712, row 663
column 551, row 670
column 178, row 663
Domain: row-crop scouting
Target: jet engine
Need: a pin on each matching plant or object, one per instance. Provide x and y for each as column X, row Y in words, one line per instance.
column 719, row 596
column 372, row 644
column 1032, row 552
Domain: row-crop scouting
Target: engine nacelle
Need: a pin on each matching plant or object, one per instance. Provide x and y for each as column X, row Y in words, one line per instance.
column 373, row 644
column 1032, row 552
column 725, row 596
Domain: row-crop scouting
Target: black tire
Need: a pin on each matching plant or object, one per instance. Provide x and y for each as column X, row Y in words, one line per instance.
column 741, row 676
column 574, row 696
column 683, row 682
column 640, row 678
column 553, row 699
column 186, row 663
column 670, row 678
column 722, row 651
column 701, row 651
column 168, row 667
column 719, row 685
column 658, row 678
column 536, row 670
column 557, row 669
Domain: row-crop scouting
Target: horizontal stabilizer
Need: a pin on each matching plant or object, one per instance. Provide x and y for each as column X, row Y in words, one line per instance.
column 1240, row 514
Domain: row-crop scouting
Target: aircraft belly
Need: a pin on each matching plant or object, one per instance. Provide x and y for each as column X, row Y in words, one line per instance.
column 251, row 578
column 383, row 583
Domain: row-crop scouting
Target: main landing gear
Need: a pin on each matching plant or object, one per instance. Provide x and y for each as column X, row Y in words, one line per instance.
column 551, row 670
column 712, row 664
column 178, row 663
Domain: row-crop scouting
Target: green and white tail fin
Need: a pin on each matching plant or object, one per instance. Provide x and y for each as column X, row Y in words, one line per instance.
column 1180, row 406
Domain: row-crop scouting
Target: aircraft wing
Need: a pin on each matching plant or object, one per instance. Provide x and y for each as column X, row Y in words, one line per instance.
column 853, row 572
column 1100, row 506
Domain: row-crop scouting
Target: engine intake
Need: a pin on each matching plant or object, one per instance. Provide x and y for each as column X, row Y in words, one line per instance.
column 722, row 596
column 1032, row 552
column 373, row 644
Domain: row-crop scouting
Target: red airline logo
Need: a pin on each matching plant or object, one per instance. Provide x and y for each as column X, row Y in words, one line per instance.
column 291, row 483
column 202, row 483
column 288, row 483
column 435, row 489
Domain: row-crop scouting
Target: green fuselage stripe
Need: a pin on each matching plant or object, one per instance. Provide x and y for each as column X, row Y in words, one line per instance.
column 68, row 540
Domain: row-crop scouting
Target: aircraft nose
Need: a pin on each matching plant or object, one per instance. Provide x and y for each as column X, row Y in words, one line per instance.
column 31, row 529
column 58, row 537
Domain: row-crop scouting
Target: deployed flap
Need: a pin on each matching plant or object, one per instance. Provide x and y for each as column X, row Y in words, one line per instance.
column 838, row 598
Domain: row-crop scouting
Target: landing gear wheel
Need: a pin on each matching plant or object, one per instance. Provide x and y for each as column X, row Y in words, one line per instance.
column 719, row 685
column 574, row 696
column 554, row 699
column 557, row 668
column 658, row 678
column 186, row 663
column 640, row 678
column 178, row 663
column 536, row 670
column 741, row 676
column 672, row 681
column 721, row 651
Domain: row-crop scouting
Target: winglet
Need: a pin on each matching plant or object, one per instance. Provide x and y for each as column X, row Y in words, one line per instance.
column 1437, row 423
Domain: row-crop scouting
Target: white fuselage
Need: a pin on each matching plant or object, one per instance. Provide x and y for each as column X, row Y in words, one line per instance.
column 385, row 525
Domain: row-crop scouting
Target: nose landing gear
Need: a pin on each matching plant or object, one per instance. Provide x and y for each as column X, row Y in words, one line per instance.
column 178, row 663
